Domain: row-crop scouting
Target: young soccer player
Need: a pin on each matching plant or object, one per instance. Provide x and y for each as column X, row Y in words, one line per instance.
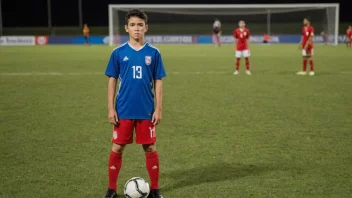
column 349, row 36
column 217, row 33
column 241, row 43
column 86, row 34
column 139, row 68
column 266, row 38
column 306, row 45
column 325, row 37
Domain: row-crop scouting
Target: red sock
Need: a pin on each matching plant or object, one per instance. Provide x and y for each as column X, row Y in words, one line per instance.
column 237, row 63
column 115, row 162
column 247, row 63
column 304, row 65
column 152, row 163
column 311, row 65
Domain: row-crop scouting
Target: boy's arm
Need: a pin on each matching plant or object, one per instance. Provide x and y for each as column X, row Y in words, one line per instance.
column 159, row 101
column 248, row 40
column 113, row 118
column 310, row 40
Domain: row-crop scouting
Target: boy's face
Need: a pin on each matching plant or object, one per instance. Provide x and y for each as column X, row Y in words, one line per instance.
column 241, row 24
column 305, row 22
column 136, row 27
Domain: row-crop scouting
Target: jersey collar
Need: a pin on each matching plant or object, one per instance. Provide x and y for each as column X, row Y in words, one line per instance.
column 139, row 48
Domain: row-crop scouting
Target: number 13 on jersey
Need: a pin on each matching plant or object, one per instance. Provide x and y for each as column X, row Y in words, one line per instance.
column 137, row 72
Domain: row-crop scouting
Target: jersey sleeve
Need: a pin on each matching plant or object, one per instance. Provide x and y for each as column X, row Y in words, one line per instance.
column 235, row 34
column 311, row 32
column 159, row 71
column 113, row 68
column 248, row 34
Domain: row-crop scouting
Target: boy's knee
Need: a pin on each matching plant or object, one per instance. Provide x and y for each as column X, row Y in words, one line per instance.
column 148, row 148
column 118, row 148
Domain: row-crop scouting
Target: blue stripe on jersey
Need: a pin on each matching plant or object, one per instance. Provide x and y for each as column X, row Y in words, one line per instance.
column 137, row 70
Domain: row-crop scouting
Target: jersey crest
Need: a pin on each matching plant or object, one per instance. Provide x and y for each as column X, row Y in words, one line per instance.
column 148, row 60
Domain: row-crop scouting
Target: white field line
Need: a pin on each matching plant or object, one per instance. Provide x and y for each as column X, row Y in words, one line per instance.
column 92, row 73
column 102, row 73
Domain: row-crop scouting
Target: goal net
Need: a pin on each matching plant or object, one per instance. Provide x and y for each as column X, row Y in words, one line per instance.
column 271, row 19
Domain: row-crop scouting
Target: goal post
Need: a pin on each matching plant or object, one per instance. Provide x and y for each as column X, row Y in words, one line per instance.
column 195, row 19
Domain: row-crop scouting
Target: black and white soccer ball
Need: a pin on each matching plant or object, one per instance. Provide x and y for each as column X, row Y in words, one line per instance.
column 136, row 187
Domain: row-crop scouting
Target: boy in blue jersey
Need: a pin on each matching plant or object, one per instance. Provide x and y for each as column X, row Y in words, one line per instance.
column 139, row 68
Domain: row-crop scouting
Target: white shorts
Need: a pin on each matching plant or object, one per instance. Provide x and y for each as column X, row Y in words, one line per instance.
column 308, row 52
column 244, row 53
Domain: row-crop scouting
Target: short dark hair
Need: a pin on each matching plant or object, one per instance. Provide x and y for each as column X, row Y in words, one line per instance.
column 308, row 18
column 136, row 13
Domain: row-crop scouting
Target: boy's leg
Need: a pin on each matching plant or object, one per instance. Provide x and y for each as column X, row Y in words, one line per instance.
column 146, row 135
column 122, row 135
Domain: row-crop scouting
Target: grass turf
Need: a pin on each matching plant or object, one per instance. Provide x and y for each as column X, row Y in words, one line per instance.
column 272, row 134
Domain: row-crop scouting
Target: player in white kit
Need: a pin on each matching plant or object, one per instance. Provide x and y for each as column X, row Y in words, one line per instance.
column 217, row 33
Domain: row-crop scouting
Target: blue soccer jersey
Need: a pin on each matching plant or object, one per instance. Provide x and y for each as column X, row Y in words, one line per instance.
column 136, row 71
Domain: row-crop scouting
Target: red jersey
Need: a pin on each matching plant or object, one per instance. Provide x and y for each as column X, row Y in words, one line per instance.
column 349, row 33
column 307, row 32
column 241, row 35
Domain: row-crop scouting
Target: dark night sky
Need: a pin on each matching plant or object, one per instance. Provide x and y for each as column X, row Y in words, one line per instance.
column 22, row 13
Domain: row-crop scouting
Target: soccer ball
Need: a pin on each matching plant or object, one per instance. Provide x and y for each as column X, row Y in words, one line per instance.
column 136, row 187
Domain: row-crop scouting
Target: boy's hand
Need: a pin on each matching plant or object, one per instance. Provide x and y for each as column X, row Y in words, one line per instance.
column 156, row 117
column 113, row 118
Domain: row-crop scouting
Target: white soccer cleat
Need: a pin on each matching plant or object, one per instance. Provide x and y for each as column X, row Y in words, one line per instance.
column 301, row 73
column 248, row 73
column 311, row 73
column 236, row 73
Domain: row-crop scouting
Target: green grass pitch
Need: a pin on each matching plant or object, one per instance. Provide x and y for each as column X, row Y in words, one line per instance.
column 272, row 134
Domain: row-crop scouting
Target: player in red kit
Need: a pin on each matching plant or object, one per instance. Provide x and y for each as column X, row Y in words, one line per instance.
column 241, row 43
column 349, row 36
column 306, row 45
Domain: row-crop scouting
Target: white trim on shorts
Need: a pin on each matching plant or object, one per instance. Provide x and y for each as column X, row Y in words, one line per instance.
column 244, row 53
column 304, row 52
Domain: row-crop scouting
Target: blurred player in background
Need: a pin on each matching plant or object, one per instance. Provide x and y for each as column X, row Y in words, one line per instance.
column 86, row 34
column 349, row 36
column 306, row 45
column 325, row 37
column 241, row 36
column 266, row 38
column 217, row 33
column 140, row 69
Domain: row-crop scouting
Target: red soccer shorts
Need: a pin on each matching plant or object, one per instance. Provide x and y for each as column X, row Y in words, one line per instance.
column 308, row 52
column 123, row 132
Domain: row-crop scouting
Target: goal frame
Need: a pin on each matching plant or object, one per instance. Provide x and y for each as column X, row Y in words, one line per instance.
column 111, row 7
